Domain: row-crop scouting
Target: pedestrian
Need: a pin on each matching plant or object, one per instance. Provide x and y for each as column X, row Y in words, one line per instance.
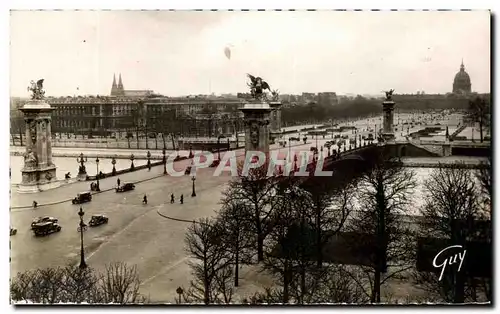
column 172, row 199
column 35, row 204
column 145, row 200
column 118, row 182
column 182, row 199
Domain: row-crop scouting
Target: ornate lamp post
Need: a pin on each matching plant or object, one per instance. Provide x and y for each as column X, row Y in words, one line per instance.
column 164, row 159
column 113, row 162
column 81, row 161
column 193, row 178
column 218, row 147
column 83, row 265
column 132, row 167
column 191, row 151
column 97, row 175
column 148, row 155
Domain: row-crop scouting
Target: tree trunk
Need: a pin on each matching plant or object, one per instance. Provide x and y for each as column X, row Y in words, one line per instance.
column 137, row 135
column 319, row 246
column 481, row 129
column 286, row 282
column 380, row 245
column 146, row 135
column 156, row 141
column 260, row 247
column 128, row 138
column 260, row 238
column 236, row 266
column 173, row 141
column 206, row 283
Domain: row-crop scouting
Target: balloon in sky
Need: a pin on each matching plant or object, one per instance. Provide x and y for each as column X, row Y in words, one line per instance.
column 227, row 52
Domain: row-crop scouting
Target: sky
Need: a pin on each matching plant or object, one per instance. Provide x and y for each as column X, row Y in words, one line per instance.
column 183, row 52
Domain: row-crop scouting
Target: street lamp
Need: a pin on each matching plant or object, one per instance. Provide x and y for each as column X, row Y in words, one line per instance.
column 132, row 167
column 83, row 265
column 193, row 178
column 218, row 147
column 97, row 175
column 81, row 161
column 113, row 162
column 164, row 161
column 148, row 155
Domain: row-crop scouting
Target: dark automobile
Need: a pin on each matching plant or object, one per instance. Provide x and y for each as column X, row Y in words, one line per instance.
column 82, row 197
column 125, row 187
column 97, row 220
column 46, row 228
column 43, row 219
column 188, row 170
column 13, row 231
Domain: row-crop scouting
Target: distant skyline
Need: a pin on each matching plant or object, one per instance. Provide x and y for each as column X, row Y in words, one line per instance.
column 183, row 53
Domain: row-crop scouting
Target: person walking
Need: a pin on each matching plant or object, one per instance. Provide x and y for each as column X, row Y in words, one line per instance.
column 118, row 182
column 172, row 199
column 145, row 200
column 35, row 204
column 182, row 199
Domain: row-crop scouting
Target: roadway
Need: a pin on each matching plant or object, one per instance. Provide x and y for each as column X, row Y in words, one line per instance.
column 135, row 233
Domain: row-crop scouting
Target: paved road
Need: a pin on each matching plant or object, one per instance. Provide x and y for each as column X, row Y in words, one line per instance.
column 135, row 232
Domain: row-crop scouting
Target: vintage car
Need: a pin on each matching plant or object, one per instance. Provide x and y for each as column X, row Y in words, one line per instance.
column 125, row 187
column 46, row 228
column 82, row 197
column 13, row 231
column 188, row 170
column 97, row 220
column 42, row 220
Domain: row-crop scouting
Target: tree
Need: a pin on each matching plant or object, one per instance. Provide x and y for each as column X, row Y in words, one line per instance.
column 384, row 195
column 204, row 243
column 237, row 238
column 255, row 191
column 120, row 284
column 479, row 110
column 451, row 211
column 329, row 204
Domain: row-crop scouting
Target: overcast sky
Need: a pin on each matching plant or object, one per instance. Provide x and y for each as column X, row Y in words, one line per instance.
column 182, row 53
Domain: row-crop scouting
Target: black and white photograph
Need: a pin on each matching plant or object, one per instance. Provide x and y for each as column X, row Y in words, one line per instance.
column 222, row 157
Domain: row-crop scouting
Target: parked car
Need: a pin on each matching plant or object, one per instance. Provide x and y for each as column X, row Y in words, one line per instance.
column 82, row 197
column 45, row 228
column 125, row 187
column 188, row 170
column 13, row 231
column 42, row 220
column 97, row 220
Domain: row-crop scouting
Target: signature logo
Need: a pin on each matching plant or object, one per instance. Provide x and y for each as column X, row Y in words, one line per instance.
column 450, row 260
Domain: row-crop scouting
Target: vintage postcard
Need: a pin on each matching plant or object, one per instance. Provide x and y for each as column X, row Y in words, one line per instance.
column 250, row 157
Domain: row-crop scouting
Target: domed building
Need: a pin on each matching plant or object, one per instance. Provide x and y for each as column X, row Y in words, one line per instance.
column 461, row 83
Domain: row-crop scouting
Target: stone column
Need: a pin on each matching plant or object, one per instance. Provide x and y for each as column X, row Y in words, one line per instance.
column 38, row 173
column 388, row 120
column 257, row 120
column 275, row 120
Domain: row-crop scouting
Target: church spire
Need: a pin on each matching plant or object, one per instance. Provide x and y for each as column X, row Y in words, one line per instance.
column 114, row 87
column 462, row 67
column 120, row 84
